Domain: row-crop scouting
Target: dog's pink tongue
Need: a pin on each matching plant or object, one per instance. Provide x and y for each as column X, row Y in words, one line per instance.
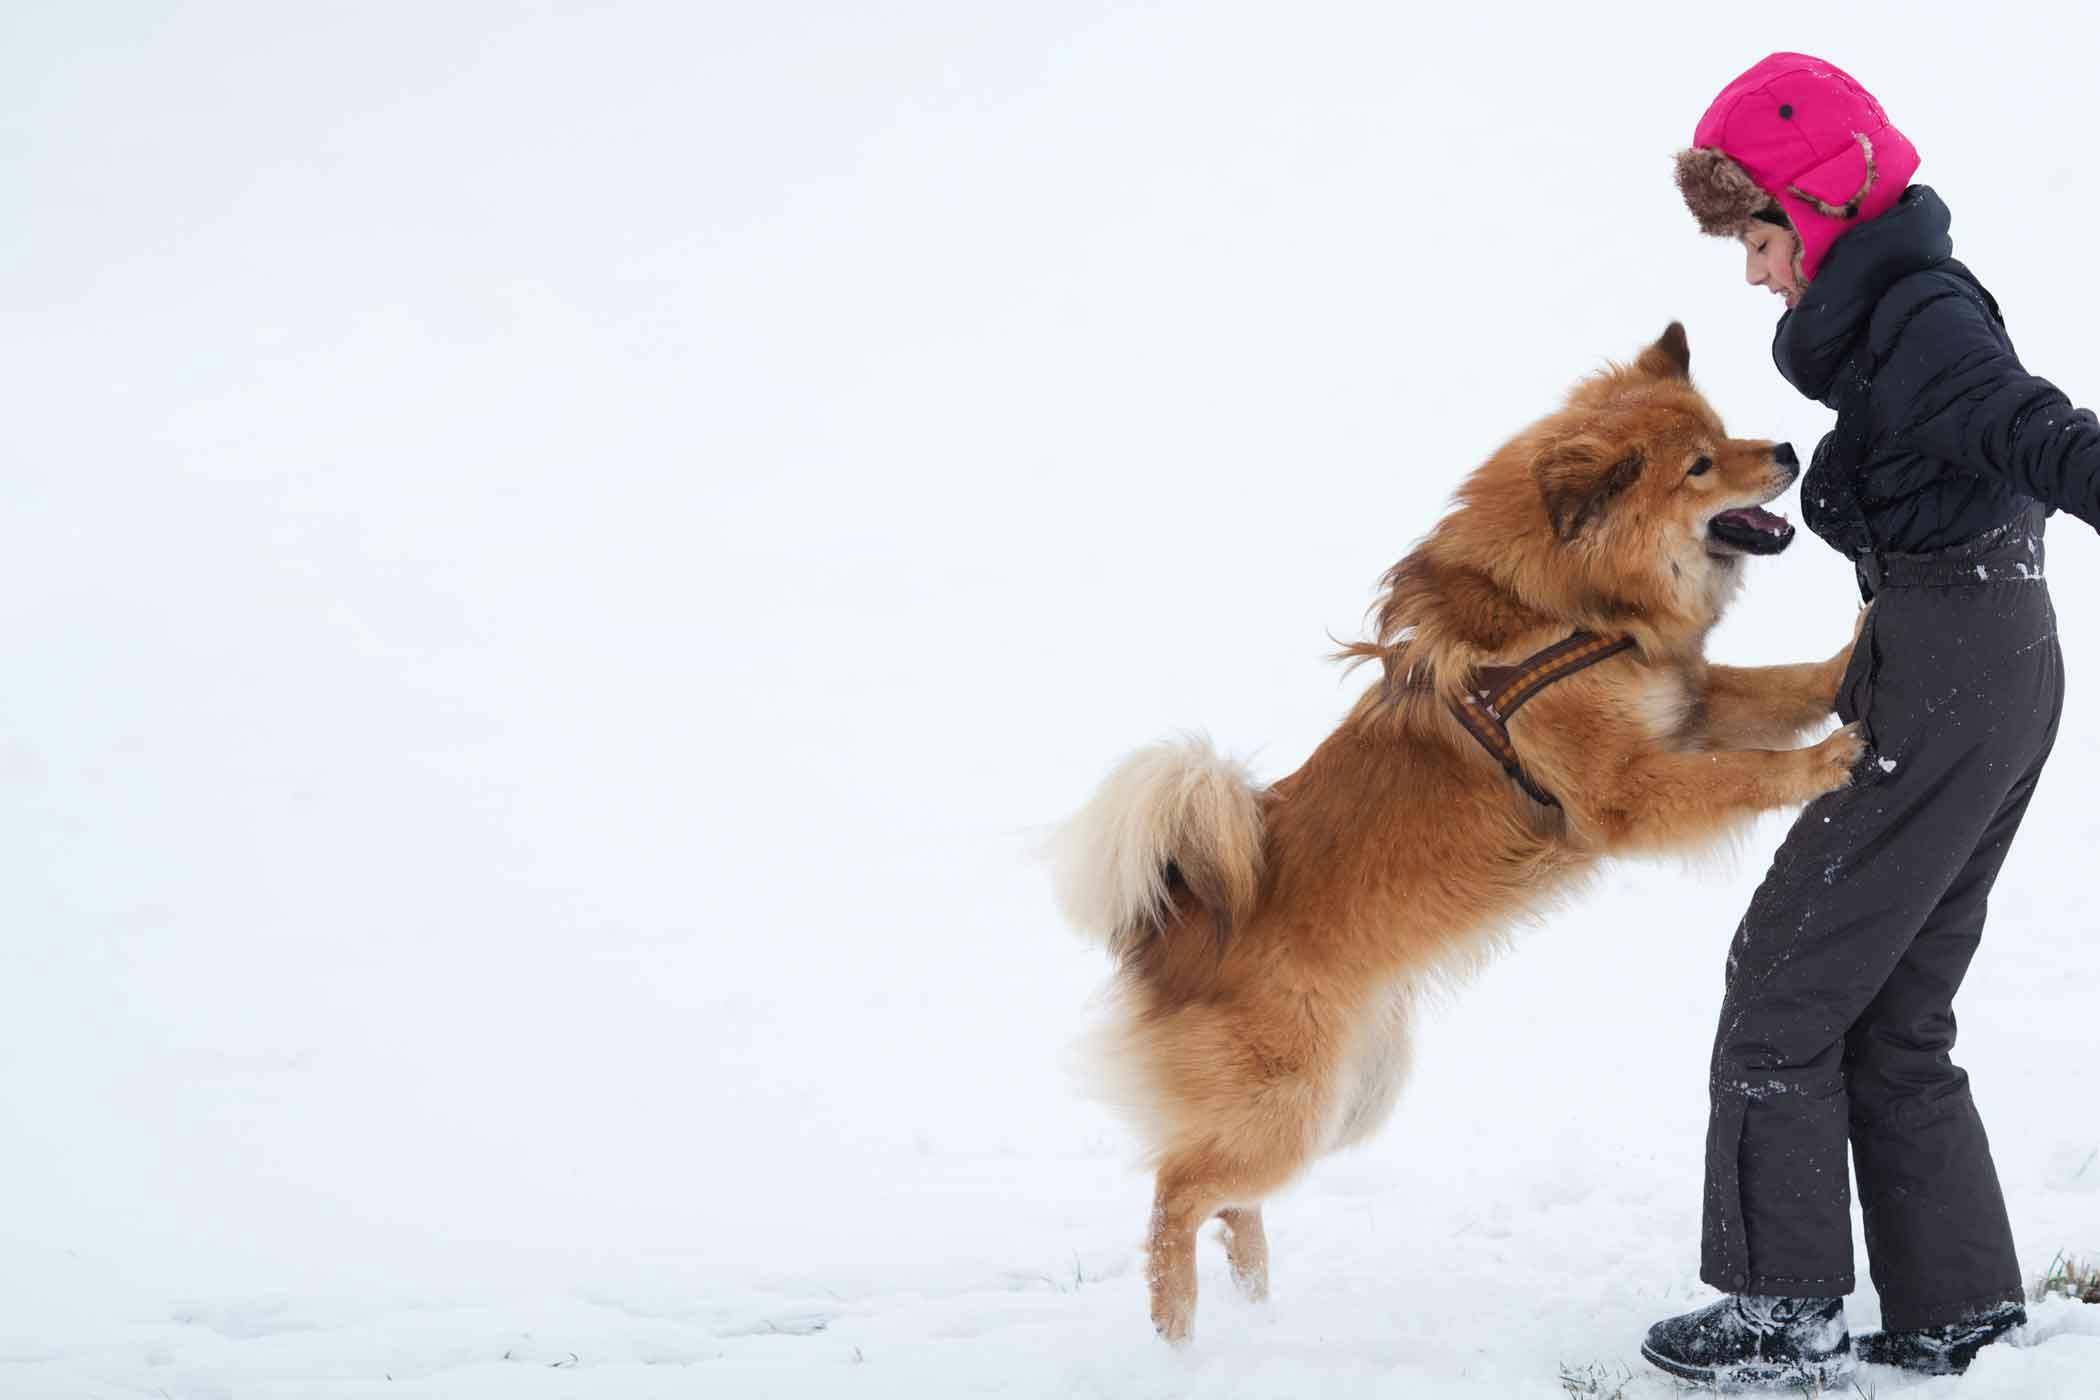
column 1755, row 518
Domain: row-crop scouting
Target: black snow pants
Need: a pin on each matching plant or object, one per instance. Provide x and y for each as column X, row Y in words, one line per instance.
column 1838, row 1015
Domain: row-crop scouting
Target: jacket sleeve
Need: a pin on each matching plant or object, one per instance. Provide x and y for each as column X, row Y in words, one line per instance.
column 1971, row 404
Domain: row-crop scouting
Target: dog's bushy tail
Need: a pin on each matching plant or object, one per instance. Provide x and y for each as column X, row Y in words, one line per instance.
column 1176, row 807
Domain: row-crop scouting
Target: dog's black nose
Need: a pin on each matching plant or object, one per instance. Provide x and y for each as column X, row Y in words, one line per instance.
column 1784, row 455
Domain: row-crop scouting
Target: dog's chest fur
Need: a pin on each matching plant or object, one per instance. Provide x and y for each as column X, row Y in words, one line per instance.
column 1665, row 702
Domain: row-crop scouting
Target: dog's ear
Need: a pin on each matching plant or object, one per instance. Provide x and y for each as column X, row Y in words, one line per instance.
column 1579, row 476
column 1670, row 357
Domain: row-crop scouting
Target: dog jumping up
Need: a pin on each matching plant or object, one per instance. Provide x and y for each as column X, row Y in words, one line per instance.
column 1543, row 700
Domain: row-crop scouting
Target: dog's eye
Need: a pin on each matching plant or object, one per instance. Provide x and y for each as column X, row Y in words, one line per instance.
column 1701, row 467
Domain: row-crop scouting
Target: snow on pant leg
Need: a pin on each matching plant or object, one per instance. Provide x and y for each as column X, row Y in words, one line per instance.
column 1848, row 892
column 1938, row 1241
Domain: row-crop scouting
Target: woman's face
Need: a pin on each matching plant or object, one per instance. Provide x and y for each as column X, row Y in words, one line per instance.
column 1769, row 253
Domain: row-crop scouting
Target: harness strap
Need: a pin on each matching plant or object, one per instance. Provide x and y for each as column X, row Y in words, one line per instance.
column 1498, row 692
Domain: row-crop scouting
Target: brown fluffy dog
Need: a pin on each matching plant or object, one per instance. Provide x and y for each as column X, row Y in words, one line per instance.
column 1271, row 940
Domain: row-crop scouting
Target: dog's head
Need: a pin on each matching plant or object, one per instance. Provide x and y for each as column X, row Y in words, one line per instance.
column 1627, row 511
column 1640, row 494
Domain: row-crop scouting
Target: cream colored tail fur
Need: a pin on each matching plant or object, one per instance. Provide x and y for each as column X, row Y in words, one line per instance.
column 1178, row 801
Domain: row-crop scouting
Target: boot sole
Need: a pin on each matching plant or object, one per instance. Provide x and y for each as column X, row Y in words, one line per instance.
column 1756, row 1375
column 1954, row 1361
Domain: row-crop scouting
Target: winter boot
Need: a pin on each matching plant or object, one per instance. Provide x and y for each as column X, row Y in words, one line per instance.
column 1750, row 1342
column 1942, row 1351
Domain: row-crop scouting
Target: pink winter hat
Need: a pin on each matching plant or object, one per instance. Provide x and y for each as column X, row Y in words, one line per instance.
column 1801, row 133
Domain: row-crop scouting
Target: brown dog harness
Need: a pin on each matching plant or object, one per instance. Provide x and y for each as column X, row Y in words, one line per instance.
column 1497, row 692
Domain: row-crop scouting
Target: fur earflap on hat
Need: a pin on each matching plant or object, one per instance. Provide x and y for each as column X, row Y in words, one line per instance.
column 1726, row 201
column 1720, row 193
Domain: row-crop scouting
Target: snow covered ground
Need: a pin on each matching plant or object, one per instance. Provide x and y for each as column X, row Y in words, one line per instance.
column 558, row 559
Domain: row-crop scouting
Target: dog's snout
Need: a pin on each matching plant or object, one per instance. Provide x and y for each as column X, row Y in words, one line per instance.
column 1784, row 455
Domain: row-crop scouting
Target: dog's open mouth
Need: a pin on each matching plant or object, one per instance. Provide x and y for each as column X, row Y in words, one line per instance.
column 1750, row 529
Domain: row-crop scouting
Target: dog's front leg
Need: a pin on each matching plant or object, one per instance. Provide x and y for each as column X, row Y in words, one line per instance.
column 1767, row 707
column 1659, row 799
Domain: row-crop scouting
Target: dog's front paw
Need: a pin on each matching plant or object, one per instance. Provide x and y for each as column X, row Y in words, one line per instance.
column 1831, row 677
column 1834, row 669
column 1832, row 763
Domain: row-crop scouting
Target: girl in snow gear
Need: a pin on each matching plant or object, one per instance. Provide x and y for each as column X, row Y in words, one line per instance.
column 1837, row 1016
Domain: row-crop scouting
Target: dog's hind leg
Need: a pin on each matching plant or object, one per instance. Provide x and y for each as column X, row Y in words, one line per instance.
column 1253, row 1118
column 1247, row 1250
column 1187, row 1194
column 1193, row 1186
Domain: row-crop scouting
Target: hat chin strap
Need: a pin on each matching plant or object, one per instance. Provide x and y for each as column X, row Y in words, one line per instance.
column 1849, row 209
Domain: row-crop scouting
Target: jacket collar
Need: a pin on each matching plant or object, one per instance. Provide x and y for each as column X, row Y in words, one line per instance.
column 1815, row 337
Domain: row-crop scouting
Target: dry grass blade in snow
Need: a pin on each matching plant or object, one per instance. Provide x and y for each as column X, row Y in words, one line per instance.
column 2072, row 1278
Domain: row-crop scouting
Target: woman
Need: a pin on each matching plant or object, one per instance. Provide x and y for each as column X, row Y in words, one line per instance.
column 1837, row 1019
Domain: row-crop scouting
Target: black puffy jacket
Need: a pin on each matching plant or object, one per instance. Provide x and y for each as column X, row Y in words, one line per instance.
column 1940, row 432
